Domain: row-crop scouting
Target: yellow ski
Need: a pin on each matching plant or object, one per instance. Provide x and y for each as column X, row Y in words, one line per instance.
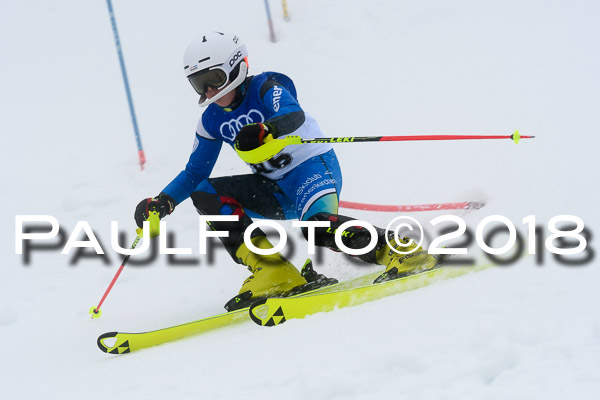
column 274, row 311
column 352, row 292
column 121, row 343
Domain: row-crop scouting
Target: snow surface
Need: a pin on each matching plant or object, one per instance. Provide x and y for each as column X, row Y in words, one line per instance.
column 380, row 67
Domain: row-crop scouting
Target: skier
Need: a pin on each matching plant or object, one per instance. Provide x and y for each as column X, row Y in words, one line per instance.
column 302, row 182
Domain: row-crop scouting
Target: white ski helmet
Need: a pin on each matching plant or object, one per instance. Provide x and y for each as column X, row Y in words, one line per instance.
column 218, row 60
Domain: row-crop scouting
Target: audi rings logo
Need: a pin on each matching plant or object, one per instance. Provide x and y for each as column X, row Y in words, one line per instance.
column 230, row 129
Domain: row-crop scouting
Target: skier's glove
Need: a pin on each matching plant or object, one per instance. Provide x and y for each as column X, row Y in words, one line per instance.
column 163, row 204
column 253, row 136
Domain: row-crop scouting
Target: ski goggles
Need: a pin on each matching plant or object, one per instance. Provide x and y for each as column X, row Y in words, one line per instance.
column 201, row 80
column 217, row 76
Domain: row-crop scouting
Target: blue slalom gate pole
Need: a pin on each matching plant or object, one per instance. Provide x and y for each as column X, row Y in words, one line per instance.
column 126, row 82
column 270, row 20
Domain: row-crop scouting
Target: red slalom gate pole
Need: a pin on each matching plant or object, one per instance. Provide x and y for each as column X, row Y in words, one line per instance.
column 464, row 205
column 95, row 311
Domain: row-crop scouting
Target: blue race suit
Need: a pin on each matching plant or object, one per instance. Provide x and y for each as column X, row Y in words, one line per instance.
column 299, row 182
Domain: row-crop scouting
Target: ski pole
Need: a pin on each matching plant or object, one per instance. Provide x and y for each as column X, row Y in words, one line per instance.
column 274, row 146
column 515, row 137
column 95, row 311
